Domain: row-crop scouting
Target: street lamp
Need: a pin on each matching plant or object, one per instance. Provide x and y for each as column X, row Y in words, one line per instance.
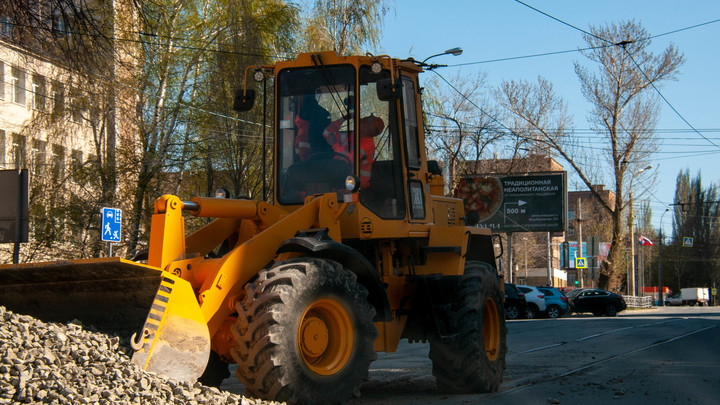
column 660, row 275
column 454, row 51
column 631, row 276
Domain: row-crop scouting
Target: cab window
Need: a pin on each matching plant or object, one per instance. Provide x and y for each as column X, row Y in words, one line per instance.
column 410, row 121
column 316, row 122
column 382, row 187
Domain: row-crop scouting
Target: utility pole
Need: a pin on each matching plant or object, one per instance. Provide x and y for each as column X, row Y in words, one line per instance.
column 510, row 257
column 661, row 302
column 550, row 271
column 580, row 249
column 631, row 276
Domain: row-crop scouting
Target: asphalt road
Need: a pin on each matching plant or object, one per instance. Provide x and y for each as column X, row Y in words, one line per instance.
column 661, row 356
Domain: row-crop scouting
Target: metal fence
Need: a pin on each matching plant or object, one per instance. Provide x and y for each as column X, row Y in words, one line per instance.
column 638, row 302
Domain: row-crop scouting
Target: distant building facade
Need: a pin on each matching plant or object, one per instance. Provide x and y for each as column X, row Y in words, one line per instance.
column 58, row 122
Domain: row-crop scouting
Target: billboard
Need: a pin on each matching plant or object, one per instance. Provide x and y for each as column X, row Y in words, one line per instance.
column 536, row 202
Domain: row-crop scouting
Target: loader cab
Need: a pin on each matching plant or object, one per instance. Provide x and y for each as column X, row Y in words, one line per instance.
column 332, row 123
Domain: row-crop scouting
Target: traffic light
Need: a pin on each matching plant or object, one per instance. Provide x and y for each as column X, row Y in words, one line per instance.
column 577, row 283
column 566, row 255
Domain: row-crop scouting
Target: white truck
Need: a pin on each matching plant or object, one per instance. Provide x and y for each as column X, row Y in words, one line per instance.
column 689, row 296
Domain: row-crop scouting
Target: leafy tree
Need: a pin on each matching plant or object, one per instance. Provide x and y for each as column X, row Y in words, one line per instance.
column 696, row 215
column 344, row 26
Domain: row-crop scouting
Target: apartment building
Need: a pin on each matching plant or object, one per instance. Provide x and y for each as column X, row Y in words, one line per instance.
column 58, row 108
column 43, row 125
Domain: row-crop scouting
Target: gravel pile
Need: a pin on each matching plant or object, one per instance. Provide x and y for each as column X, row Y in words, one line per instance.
column 65, row 364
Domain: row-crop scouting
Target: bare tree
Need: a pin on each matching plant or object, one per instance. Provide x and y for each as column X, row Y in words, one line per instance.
column 625, row 108
column 458, row 129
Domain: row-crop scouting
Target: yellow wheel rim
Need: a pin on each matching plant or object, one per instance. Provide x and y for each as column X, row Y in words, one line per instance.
column 326, row 337
column 491, row 329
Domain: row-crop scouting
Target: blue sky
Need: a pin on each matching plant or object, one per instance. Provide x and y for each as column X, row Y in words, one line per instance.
column 496, row 29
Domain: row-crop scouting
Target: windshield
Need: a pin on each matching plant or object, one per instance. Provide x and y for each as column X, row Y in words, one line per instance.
column 574, row 293
column 316, row 117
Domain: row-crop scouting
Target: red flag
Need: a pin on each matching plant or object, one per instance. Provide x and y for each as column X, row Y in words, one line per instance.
column 645, row 241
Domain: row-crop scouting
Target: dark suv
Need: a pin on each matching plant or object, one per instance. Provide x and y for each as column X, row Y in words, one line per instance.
column 597, row 301
column 515, row 304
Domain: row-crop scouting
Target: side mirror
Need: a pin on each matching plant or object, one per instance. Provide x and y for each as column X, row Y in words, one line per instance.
column 472, row 218
column 434, row 167
column 244, row 100
column 387, row 91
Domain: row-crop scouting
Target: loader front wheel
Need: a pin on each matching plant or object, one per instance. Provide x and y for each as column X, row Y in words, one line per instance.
column 304, row 333
column 472, row 358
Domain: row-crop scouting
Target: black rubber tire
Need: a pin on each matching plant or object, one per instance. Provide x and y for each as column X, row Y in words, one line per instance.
column 610, row 310
column 215, row 372
column 270, row 361
column 553, row 311
column 533, row 312
column 512, row 312
column 461, row 363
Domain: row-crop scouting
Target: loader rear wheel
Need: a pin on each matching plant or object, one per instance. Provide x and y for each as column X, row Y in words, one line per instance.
column 304, row 333
column 472, row 359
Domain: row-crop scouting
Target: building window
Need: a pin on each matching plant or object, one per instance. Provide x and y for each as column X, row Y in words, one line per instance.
column 59, row 23
column 76, row 111
column 38, row 92
column 57, row 166
column 18, row 85
column 58, row 98
column 19, row 151
column 38, row 156
column 2, row 80
column 2, row 149
column 6, row 27
column 76, row 161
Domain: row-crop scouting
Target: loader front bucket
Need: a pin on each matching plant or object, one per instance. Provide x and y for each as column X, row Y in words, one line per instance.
column 121, row 297
column 175, row 341
column 111, row 294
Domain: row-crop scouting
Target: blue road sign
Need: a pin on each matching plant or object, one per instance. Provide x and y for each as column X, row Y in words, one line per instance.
column 687, row 242
column 581, row 263
column 111, row 224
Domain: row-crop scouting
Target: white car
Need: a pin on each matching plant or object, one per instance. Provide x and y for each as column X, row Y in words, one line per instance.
column 535, row 300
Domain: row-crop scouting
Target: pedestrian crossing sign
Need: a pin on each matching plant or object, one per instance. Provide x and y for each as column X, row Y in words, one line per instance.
column 581, row 262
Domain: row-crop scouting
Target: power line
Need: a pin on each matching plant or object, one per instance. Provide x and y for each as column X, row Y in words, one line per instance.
column 624, row 44
column 563, row 22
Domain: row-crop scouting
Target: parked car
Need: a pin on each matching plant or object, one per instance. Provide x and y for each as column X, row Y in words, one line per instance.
column 597, row 301
column 535, row 301
column 555, row 301
column 515, row 303
column 675, row 299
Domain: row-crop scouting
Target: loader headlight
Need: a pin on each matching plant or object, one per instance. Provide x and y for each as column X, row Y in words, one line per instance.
column 352, row 183
column 376, row 67
column 222, row 192
column 259, row 75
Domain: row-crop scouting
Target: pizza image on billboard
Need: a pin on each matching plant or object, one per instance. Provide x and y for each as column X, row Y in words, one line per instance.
column 483, row 195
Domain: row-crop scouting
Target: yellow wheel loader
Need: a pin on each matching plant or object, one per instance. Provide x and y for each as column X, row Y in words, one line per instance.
column 359, row 249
